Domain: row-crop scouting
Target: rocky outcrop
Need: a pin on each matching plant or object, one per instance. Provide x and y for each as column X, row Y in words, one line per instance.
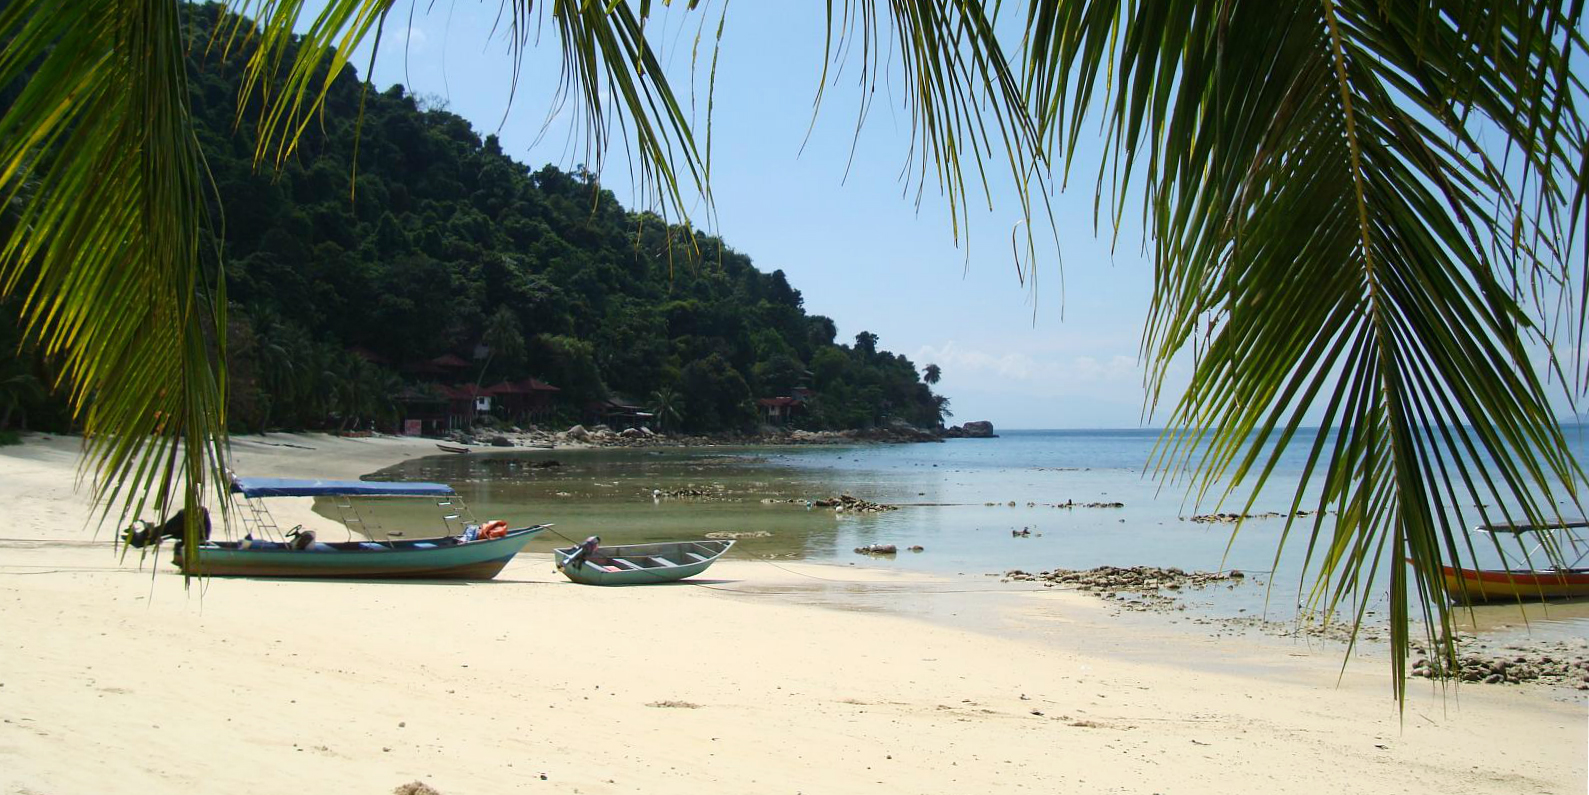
column 976, row 429
column 1135, row 578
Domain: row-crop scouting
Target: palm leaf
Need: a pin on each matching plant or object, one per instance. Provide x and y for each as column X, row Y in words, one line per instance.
column 106, row 252
column 1324, row 210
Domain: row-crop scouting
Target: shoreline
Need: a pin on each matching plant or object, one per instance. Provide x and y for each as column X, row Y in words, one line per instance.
column 486, row 687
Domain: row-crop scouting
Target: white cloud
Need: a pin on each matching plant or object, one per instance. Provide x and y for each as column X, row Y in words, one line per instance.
column 1019, row 366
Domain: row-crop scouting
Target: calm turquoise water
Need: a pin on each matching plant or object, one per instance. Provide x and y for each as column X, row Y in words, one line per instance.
column 957, row 503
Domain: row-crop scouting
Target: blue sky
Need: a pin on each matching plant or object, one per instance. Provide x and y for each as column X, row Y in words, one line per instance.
column 848, row 232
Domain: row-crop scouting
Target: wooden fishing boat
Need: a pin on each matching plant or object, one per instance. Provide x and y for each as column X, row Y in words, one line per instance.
column 1512, row 584
column 468, row 554
column 639, row 564
column 451, row 448
column 1506, row 585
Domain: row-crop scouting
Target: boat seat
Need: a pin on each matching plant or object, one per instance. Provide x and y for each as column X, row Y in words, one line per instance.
column 697, row 558
column 626, row 564
column 664, row 561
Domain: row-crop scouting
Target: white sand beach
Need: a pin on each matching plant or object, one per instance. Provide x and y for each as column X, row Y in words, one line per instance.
column 113, row 679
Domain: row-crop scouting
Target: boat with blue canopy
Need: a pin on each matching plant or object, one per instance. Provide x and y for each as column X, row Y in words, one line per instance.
column 467, row 549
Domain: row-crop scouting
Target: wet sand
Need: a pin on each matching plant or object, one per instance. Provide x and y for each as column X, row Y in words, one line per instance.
column 113, row 679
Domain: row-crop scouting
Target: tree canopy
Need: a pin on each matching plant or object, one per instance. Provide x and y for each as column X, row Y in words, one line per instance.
column 397, row 234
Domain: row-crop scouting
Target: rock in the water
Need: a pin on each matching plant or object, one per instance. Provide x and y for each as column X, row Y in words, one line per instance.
column 979, row 429
column 976, row 429
column 877, row 549
column 844, row 503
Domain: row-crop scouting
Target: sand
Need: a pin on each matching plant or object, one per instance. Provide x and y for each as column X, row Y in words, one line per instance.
column 113, row 679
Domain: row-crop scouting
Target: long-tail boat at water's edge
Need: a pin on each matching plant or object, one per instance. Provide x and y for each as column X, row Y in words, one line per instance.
column 474, row 552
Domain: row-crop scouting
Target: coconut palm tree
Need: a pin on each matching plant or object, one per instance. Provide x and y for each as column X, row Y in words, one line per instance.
column 665, row 405
column 931, row 374
column 1359, row 211
column 108, row 253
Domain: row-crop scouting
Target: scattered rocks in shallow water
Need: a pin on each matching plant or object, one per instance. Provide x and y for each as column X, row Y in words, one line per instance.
column 742, row 534
column 691, row 493
column 688, row 491
column 1071, row 504
column 1144, row 582
column 1232, row 518
column 844, row 503
column 1074, row 504
column 877, row 549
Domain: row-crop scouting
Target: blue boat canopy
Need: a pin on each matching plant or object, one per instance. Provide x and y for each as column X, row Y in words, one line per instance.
column 289, row 487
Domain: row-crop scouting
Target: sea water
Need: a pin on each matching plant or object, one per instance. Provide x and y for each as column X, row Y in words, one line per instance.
column 1028, row 500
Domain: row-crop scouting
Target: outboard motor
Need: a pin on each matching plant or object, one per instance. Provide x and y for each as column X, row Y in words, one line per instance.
column 142, row 534
column 583, row 551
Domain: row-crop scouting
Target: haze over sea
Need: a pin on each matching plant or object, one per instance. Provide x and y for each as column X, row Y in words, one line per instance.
column 963, row 501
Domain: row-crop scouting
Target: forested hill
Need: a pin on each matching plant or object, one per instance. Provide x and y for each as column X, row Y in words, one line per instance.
column 448, row 249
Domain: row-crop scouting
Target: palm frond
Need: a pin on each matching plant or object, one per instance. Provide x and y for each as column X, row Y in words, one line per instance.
column 1329, row 205
column 106, row 253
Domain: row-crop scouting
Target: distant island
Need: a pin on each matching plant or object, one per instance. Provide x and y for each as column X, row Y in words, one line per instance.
column 440, row 285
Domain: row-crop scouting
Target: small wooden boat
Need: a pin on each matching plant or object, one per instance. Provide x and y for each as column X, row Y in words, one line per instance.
column 451, row 448
column 1512, row 584
column 639, row 564
column 468, row 555
column 1505, row 585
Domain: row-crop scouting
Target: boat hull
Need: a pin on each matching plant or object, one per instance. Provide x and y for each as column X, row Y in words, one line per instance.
column 1499, row 585
column 417, row 559
column 606, row 567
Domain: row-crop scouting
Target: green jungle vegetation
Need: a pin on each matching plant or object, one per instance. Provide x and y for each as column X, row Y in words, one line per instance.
column 383, row 246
